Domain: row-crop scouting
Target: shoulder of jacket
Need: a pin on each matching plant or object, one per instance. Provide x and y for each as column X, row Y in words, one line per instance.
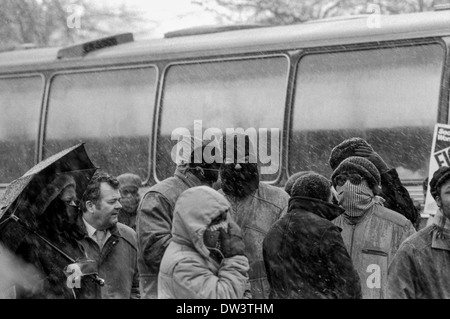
column 421, row 239
column 273, row 195
column 170, row 188
column 128, row 234
column 391, row 216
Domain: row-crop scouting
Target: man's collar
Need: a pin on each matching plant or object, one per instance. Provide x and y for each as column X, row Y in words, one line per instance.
column 441, row 237
column 89, row 228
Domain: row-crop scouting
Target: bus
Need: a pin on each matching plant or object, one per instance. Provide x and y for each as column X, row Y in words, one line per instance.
column 318, row 83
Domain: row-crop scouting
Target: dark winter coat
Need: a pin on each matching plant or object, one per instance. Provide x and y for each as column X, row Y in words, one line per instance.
column 397, row 196
column 51, row 264
column 117, row 262
column 305, row 256
column 154, row 227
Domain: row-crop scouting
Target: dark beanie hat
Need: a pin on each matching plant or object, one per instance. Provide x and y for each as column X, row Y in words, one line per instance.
column 439, row 177
column 127, row 180
column 312, row 185
column 362, row 166
column 344, row 150
column 291, row 181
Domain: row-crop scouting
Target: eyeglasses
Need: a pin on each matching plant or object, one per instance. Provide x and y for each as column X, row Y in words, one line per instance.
column 341, row 179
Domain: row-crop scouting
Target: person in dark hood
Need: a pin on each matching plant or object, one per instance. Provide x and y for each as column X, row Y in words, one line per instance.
column 371, row 232
column 155, row 212
column 205, row 259
column 291, row 181
column 304, row 254
column 57, row 224
column 421, row 266
column 255, row 206
column 396, row 196
column 130, row 198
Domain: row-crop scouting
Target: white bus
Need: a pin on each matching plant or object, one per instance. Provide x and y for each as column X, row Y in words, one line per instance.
column 318, row 82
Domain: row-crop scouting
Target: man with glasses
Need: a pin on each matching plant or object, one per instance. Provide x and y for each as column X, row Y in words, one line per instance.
column 372, row 233
column 396, row 196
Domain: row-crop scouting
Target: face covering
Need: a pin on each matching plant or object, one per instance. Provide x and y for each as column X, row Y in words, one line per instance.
column 130, row 203
column 356, row 199
column 239, row 182
column 211, row 237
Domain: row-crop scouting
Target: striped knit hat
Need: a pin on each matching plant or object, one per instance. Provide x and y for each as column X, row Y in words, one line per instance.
column 362, row 166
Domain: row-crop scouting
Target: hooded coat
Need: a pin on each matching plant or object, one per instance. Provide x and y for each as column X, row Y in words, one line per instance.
column 187, row 271
column 154, row 226
column 55, row 225
column 305, row 256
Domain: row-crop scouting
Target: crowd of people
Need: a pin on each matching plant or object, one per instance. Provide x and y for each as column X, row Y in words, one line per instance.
column 215, row 231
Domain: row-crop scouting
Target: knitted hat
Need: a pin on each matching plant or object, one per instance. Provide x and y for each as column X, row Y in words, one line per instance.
column 344, row 150
column 291, row 181
column 439, row 177
column 129, row 180
column 362, row 166
column 312, row 185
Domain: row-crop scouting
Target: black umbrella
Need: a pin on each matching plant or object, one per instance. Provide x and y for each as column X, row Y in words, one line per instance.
column 25, row 199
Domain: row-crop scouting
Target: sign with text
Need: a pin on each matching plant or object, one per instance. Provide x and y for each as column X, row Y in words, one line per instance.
column 440, row 156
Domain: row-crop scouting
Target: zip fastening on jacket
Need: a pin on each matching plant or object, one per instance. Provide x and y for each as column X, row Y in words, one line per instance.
column 351, row 242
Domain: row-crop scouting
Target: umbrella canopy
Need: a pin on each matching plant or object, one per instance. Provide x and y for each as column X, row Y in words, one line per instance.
column 27, row 197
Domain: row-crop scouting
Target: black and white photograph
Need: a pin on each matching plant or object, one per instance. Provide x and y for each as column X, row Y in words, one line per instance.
column 246, row 151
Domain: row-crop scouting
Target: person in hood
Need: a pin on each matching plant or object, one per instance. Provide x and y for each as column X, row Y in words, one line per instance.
column 421, row 267
column 57, row 225
column 372, row 233
column 155, row 213
column 130, row 198
column 255, row 206
column 304, row 254
column 396, row 196
column 205, row 258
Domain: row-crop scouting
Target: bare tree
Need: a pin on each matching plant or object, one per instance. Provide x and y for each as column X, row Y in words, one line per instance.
column 61, row 22
column 298, row 11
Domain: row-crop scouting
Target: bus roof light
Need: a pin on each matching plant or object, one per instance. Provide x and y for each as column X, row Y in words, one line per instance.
column 81, row 50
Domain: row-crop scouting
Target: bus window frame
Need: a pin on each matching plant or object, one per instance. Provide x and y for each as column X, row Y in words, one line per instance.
column 443, row 112
column 93, row 70
column 40, row 111
column 231, row 58
column 445, row 92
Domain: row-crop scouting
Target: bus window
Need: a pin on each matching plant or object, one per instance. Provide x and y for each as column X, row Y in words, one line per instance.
column 111, row 111
column 246, row 94
column 389, row 97
column 20, row 103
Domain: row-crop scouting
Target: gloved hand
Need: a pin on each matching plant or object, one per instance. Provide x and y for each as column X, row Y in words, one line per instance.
column 232, row 243
column 372, row 156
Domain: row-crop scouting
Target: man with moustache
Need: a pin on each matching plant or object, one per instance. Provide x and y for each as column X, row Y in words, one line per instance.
column 155, row 212
column 255, row 206
column 111, row 244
